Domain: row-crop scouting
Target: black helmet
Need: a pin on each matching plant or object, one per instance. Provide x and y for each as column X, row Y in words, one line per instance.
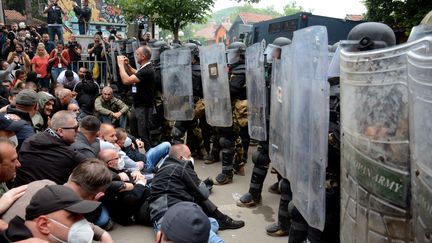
column 194, row 50
column 235, row 52
column 371, row 36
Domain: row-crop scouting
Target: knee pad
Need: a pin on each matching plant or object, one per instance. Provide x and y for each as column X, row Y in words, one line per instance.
column 285, row 186
column 225, row 143
column 260, row 159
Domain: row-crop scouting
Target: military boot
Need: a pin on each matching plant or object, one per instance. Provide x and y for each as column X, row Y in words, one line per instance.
column 213, row 156
column 227, row 168
column 276, row 230
column 248, row 201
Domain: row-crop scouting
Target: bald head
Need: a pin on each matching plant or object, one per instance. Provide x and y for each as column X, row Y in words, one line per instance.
column 107, row 154
column 180, row 152
column 108, row 133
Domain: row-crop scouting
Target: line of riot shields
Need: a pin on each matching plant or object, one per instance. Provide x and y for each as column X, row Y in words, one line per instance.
column 385, row 117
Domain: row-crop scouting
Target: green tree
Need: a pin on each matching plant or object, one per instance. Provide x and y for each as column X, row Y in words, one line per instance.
column 172, row 15
column 400, row 15
column 292, row 8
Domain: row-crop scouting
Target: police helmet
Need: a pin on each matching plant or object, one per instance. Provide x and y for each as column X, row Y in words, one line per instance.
column 273, row 50
column 157, row 48
column 235, row 52
column 372, row 35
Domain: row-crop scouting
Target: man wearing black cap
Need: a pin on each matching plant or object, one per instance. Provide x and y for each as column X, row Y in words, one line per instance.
column 184, row 222
column 55, row 213
column 68, row 79
column 26, row 106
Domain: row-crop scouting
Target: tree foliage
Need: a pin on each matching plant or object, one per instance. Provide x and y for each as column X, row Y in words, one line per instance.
column 400, row 15
column 292, row 8
column 172, row 15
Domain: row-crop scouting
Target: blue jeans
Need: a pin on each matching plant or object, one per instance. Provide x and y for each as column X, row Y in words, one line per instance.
column 155, row 154
column 214, row 227
column 107, row 119
column 55, row 30
column 83, row 28
column 103, row 217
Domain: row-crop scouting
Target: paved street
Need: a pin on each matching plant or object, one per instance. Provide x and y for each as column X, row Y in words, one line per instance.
column 224, row 196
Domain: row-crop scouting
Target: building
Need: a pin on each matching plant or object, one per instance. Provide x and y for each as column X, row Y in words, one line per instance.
column 245, row 19
column 214, row 33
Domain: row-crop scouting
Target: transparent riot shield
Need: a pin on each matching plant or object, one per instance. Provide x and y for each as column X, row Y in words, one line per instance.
column 309, row 121
column 420, row 86
column 177, row 84
column 114, row 61
column 135, row 46
column 375, row 153
column 256, row 91
column 419, row 31
column 279, row 111
column 214, row 73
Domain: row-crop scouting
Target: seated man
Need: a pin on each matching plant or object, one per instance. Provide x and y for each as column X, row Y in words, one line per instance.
column 68, row 79
column 89, row 180
column 184, row 222
column 48, row 155
column 176, row 181
column 128, row 191
column 86, row 141
column 110, row 109
column 150, row 158
column 55, row 213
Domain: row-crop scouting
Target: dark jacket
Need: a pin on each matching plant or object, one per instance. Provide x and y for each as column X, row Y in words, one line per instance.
column 83, row 146
column 44, row 156
column 175, row 181
column 237, row 82
column 83, row 13
column 16, row 231
column 87, row 91
column 27, row 130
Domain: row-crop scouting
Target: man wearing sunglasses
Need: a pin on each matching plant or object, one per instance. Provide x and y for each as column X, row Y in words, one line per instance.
column 48, row 155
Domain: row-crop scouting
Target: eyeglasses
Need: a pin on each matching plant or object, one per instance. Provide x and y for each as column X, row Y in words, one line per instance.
column 74, row 127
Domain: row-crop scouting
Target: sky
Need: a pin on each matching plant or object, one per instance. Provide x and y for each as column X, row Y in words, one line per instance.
column 330, row 8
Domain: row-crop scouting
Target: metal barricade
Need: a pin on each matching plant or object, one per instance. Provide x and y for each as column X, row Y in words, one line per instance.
column 103, row 76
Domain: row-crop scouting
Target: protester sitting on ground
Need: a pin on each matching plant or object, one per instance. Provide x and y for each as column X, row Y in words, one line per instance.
column 48, row 155
column 176, row 181
column 124, row 198
column 75, row 109
column 150, row 158
column 89, row 180
column 26, row 104
column 42, row 119
column 86, row 141
column 110, row 109
column 108, row 140
column 63, row 99
column 68, row 79
column 185, row 222
column 55, row 212
column 11, row 99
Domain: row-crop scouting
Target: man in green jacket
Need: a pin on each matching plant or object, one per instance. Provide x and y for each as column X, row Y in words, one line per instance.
column 110, row 109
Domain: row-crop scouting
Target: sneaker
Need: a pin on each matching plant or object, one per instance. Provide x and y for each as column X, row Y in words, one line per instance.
column 223, row 179
column 275, row 230
column 229, row 223
column 274, row 188
column 248, row 201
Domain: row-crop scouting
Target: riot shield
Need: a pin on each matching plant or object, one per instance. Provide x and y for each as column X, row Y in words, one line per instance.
column 420, row 86
column 309, row 122
column 256, row 91
column 375, row 153
column 135, row 46
column 177, row 84
column 214, row 73
column 279, row 112
column 419, row 31
column 113, row 61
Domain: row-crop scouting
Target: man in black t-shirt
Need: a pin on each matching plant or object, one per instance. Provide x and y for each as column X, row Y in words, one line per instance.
column 142, row 89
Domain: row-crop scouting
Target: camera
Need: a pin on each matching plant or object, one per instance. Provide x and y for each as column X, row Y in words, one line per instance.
column 11, row 35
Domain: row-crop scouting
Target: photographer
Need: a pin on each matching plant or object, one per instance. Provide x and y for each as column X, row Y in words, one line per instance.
column 74, row 49
column 24, row 59
column 84, row 14
column 54, row 19
column 59, row 59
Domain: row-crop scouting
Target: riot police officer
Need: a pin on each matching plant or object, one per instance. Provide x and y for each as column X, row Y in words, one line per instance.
column 229, row 135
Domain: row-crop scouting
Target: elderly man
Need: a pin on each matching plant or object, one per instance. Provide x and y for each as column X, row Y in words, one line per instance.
column 142, row 87
column 111, row 109
column 55, row 213
column 48, row 155
column 124, row 198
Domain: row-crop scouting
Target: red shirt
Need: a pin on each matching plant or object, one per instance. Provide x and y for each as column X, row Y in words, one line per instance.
column 41, row 65
column 65, row 54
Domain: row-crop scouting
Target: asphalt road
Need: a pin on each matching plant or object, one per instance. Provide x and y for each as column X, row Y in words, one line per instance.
column 256, row 219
